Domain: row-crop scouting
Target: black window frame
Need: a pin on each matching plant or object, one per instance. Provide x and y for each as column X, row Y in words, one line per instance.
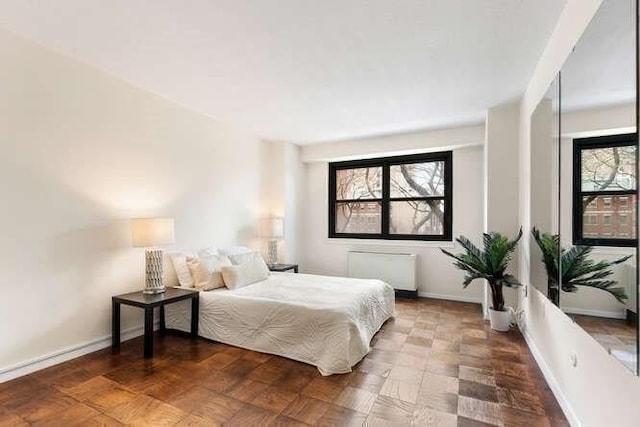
column 385, row 163
column 579, row 144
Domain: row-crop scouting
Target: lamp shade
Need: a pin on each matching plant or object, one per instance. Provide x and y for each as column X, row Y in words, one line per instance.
column 272, row 227
column 148, row 232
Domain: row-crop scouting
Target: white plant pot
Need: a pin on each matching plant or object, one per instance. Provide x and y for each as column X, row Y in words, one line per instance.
column 501, row 320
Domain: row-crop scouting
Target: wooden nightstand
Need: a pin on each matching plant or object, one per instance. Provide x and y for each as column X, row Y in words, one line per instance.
column 148, row 303
column 283, row 267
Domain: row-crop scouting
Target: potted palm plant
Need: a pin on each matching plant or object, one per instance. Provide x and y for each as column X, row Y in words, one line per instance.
column 577, row 269
column 490, row 264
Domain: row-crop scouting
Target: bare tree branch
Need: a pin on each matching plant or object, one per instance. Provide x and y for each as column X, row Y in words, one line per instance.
column 612, row 176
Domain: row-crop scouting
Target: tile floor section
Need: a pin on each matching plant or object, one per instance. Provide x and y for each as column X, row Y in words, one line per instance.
column 435, row 364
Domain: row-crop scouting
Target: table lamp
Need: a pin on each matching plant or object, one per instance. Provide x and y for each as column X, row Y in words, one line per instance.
column 273, row 229
column 150, row 233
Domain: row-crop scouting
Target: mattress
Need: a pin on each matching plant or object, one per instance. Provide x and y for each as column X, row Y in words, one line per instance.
column 324, row 321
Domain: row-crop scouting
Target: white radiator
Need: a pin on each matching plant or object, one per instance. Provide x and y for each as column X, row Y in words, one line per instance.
column 398, row 270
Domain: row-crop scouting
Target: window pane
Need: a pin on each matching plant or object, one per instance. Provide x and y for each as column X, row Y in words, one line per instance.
column 417, row 217
column 361, row 183
column 623, row 201
column 417, row 179
column 359, row 217
column 608, row 168
column 609, row 217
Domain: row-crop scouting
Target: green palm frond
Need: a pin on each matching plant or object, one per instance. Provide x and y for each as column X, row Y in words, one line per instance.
column 575, row 260
column 472, row 251
column 466, row 263
column 514, row 242
column 549, row 245
column 498, row 254
column 490, row 263
column 576, row 268
column 608, row 286
column 510, row 281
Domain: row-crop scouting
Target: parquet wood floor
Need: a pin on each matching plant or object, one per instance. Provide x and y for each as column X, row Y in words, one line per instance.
column 435, row 364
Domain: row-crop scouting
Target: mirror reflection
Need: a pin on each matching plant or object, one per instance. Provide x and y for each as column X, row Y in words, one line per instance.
column 598, row 182
column 545, row 133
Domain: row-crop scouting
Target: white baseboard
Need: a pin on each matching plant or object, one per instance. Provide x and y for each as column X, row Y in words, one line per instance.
column 476, row 300
column 596, row 313
column 548, row 376
column 33, row 365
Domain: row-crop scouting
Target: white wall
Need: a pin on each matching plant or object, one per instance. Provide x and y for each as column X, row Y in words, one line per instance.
column 610, row 120
column 283, row 178
column 80, row 153
column 436, row 275
column 501, row 183
column 544, row 189
column 599, row 390
column 294, row 195
column 395, row 145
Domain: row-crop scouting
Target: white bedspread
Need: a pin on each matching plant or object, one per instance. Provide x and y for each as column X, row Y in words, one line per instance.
column 325, row 321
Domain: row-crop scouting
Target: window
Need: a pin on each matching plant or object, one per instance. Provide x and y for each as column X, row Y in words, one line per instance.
column 623, row 219
column 592, row 205
column 604, row 185
column 398, row 198
column 623, row 203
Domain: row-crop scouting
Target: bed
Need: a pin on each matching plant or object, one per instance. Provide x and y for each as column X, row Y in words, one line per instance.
column 324, row 321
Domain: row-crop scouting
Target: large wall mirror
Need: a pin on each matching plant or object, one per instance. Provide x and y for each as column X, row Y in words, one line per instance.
column 545, row 135
column 598, row 165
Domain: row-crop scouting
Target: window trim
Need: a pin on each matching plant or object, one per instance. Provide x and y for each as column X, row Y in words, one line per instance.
column 386, row 163
column 579, row 144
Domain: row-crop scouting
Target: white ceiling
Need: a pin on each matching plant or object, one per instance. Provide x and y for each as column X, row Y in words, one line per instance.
column 303, row 70
column 601, row 71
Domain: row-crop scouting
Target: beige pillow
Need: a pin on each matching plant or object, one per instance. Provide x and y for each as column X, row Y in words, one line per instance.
column 206, row 271
column 179, row 261
column 237, row 276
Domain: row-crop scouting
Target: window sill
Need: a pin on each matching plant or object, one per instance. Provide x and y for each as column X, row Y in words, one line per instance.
column 613, row 250
column 396, row 243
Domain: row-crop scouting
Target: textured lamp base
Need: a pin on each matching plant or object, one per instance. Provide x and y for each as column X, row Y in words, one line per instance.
column 153, row 272
column 273, row 252
column 153, row 291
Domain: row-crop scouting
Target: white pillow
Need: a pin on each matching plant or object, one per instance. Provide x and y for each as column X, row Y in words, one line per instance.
column 206, row 271
column 243, row 258
column 237, row 276
column 179, row 261
column 233, row 250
